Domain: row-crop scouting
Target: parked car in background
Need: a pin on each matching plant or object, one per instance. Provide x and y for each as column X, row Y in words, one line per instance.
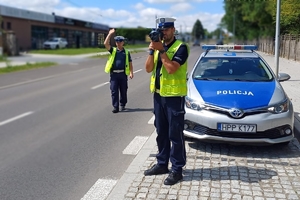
column 235, row 97
column 196, row 43
column 55, row 43
column 220, row 42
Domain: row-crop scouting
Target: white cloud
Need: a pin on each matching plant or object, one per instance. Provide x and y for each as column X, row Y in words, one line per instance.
column 141, row 15
column 176, row 1
column 205, row 0
column 208, row 21
column 164, row 1
column 34, row 5
column 139, row 6
column 181, row 7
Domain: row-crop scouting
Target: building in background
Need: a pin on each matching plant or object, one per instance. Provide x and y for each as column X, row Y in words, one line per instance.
column 32, row 29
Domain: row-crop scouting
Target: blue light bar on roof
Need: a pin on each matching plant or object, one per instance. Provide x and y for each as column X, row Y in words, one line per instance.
column 230, row 47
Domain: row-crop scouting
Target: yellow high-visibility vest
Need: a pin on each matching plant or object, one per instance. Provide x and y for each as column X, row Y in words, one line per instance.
column 111, row 59
column 170, row 84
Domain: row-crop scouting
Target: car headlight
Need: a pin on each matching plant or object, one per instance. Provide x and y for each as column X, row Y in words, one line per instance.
column 193, row 104
column 279, row 108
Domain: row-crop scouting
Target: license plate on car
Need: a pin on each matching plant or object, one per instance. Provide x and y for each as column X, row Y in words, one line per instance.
column 245, row 128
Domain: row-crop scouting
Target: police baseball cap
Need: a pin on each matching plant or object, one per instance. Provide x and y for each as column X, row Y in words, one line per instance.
column 119, row 38
column 165, row 22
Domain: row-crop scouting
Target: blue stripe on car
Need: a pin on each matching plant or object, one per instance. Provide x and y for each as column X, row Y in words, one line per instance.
column 233, row 94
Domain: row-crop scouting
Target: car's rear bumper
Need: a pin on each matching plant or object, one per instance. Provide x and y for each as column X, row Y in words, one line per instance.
column 271, row 128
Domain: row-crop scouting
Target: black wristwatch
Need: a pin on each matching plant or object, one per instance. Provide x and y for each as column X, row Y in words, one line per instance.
column 151, row 52
column 162, row 51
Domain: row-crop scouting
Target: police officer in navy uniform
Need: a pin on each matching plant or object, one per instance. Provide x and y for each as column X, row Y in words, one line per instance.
column 119, row 65
column 167, row 61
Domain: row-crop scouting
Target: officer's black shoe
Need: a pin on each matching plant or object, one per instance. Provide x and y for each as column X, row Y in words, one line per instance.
column 115, row 110
column 173, row 178
column 156, row 170
column 123, row 108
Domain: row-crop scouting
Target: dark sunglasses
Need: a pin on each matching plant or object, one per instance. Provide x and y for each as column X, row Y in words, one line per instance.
column 119, row 40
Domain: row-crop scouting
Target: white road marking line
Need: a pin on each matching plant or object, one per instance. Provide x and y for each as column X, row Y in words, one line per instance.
column 137, row 70
column 151, row 121
column 40, row 79
column 100, row 190
column 97, row 86
column 15, row 118
column 135, row 145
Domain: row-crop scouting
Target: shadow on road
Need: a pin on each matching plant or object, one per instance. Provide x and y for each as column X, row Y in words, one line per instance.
column 138, row 110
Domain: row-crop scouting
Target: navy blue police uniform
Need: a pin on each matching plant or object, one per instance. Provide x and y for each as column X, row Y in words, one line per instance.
column 169, row 119
column 118, row 79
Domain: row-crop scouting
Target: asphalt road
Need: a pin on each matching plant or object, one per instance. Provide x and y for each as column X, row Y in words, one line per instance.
column 58, row 136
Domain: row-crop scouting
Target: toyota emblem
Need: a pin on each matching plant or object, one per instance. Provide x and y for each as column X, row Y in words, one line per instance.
column 236, row 113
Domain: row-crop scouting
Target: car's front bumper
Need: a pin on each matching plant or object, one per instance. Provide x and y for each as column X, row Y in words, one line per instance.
column 202, row 125
column 49, row 46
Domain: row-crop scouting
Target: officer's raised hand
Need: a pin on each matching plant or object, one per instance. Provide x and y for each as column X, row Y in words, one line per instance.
column 111, row 31
column 156, row 46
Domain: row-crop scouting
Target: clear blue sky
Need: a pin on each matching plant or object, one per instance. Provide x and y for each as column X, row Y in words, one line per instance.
column 131, row 13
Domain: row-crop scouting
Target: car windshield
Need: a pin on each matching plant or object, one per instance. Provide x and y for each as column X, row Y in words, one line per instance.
column 53, row 40
column 232, row 69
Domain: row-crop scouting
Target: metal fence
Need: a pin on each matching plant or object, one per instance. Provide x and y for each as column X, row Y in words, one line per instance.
column 289, row 46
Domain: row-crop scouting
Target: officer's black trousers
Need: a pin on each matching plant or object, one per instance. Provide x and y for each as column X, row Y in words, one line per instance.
column 169, row 122
column 118, row 85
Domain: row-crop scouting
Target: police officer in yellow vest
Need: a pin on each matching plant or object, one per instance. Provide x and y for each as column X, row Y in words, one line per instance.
column 167, row 61
column 119, row 66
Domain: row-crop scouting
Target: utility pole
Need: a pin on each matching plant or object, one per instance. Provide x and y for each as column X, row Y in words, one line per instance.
column 277, row 37
column 233, row 28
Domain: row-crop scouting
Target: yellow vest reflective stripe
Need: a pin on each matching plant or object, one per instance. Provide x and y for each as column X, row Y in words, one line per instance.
column 111, row 59
column 170, row 84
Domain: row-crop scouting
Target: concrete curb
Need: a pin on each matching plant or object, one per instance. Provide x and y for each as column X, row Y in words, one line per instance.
column 134, row 169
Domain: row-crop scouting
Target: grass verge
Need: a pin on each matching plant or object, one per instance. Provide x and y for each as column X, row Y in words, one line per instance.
column 106, row 55
column 79, row 51
column 27, row 66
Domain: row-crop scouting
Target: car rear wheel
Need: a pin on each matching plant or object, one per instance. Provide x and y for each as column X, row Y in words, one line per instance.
column 57, row 47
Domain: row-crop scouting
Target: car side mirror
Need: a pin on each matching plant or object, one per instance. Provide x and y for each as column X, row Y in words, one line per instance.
column 283, row 77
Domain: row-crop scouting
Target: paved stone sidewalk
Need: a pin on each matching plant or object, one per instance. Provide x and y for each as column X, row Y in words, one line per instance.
column 292, row 86
column 220, row 171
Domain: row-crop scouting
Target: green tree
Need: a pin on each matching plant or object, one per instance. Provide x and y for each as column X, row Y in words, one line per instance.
column 254, row 19
column 198, row 31
column 218, row 33
column 133, row 34
column 289, row 15
column 232, row 18
column 248, row 19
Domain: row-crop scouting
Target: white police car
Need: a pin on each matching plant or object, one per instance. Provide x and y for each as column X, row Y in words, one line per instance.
column 235, row 97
